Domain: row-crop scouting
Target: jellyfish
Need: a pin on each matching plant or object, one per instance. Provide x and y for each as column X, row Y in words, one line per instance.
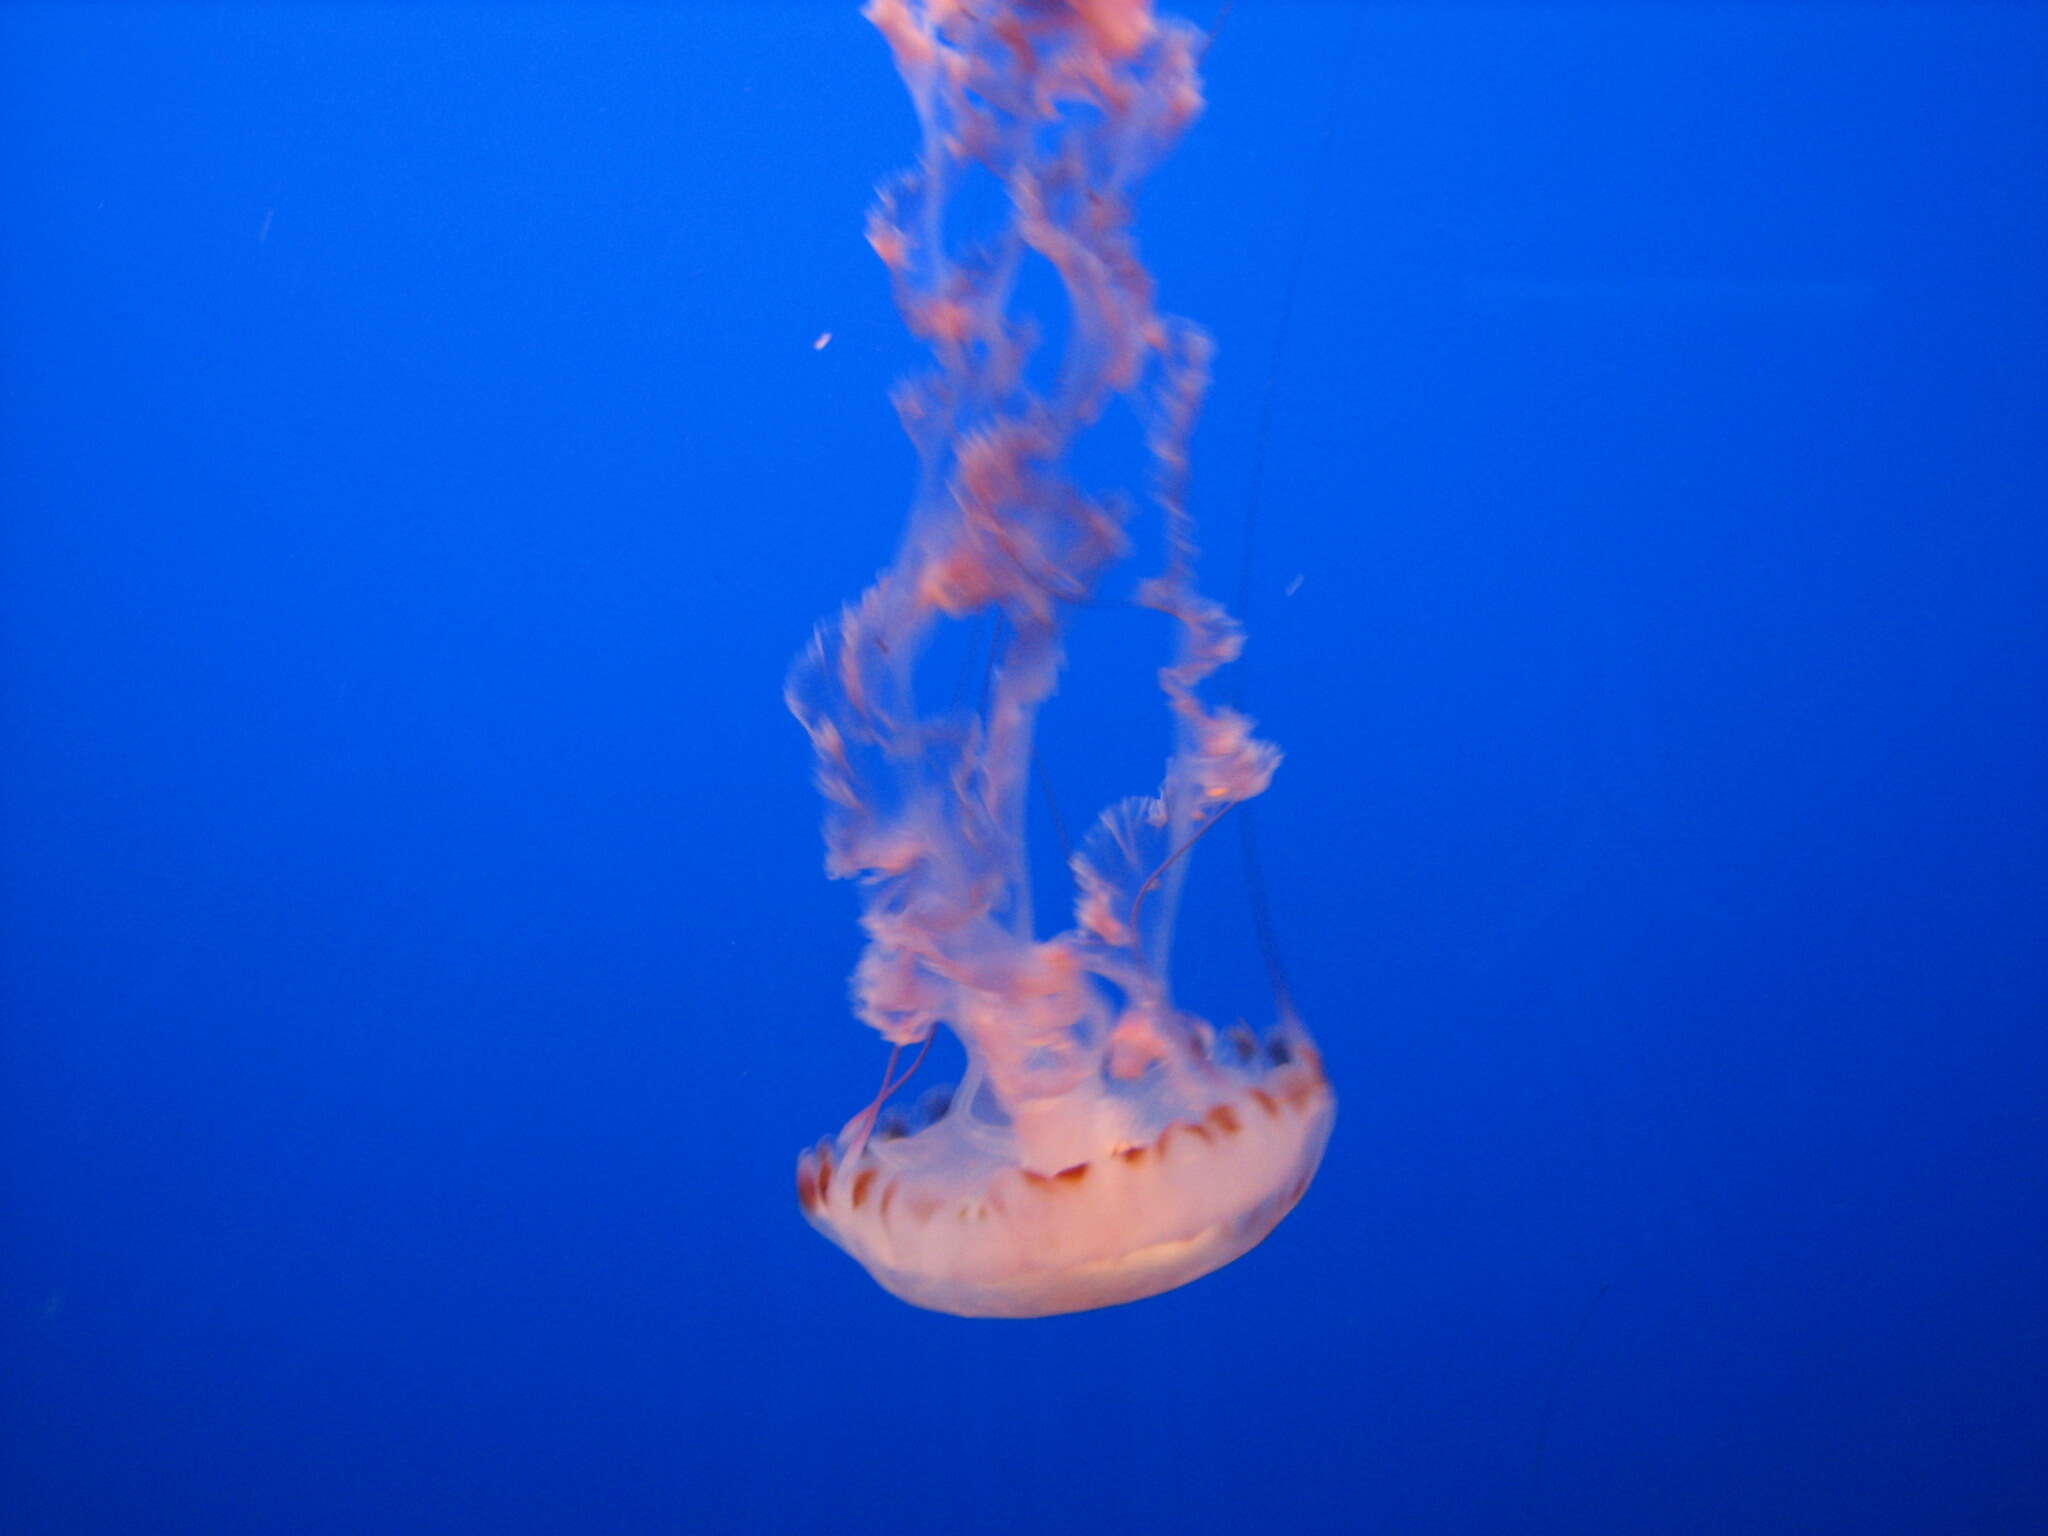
column 1103, row 1145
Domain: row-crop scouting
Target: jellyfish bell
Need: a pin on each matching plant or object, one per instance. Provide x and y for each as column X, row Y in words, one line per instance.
column 1113, row 1190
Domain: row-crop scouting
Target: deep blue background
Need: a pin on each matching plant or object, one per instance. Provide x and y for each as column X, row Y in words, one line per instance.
column 418, row 975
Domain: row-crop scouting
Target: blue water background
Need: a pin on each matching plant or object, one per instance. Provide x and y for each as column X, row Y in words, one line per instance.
column 417, row 469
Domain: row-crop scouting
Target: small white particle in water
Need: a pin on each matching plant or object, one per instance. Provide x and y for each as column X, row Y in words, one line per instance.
column 1294, row 586
column 824, row 340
